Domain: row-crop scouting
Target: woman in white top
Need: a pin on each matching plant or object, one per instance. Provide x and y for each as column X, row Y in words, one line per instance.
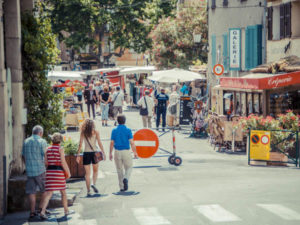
column 147, row 102
column 89, row 136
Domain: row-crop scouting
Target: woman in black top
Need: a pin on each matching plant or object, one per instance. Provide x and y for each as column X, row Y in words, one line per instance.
column 104, row 100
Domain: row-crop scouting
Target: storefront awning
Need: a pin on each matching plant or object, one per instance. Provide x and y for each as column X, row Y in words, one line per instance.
column 261, row 81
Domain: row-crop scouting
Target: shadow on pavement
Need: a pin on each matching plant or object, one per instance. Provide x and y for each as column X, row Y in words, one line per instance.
column 75, row 180
column 145, row 167
column 127, row 193
column 95, row 196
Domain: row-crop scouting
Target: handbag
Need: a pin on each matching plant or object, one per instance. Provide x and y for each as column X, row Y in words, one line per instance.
column 98, row 156
column 144, row 111
column 173, row 109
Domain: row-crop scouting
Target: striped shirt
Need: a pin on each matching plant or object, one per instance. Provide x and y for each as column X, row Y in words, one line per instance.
column 55, row 179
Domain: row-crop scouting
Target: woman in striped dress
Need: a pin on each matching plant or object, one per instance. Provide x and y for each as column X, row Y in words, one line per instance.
column 56, row 174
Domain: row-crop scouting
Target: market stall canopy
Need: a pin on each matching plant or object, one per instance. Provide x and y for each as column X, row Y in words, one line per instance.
column 64, row 75
column 137, row 70
column 175, row 75
column 101, row 71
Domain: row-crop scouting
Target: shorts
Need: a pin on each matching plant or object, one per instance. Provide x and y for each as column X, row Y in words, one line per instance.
column 88, row 158
column 118, row 109
column 34, row 184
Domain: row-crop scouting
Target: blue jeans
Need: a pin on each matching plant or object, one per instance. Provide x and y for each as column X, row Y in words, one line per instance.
column 104, row 109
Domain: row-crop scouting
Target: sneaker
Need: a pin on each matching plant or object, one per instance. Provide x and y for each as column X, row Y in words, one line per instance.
column 70, row 212
column 94, row 188
column 43, row 216
column 125, row 182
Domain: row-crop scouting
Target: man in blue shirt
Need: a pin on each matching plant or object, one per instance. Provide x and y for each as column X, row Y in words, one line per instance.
column 162, row 101
column 121, row 138
column 33, row 153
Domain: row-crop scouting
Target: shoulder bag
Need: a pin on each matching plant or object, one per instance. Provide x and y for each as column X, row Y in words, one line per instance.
column 144, row 111
column 98, row 156
column 113, row 101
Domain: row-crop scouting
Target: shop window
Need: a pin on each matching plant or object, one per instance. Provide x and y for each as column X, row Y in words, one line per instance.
column 238, row 104
column 227, row 103
column 243, row 104
column 256, row 104
column 249, row 104
column 213, row 4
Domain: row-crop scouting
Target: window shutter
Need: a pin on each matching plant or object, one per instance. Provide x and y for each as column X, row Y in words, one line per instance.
column 282, row 27
column 270, row 23
column 287, row 19
column 253, row 51
column 213, row 4
column 225, row 51
column 213, row 50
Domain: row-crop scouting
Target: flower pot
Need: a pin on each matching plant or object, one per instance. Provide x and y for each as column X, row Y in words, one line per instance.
column 77, row 170
column 279, row 157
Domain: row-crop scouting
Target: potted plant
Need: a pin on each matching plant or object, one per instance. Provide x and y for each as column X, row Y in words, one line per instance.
column 70, row 147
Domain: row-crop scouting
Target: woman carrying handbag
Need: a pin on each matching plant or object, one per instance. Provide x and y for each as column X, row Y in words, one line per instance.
column 56, row 174
column 90, row 136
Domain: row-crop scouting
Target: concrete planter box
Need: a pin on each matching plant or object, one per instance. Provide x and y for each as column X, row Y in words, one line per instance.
column 77, row 170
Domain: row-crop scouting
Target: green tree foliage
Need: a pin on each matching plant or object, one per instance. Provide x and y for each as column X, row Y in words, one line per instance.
column 173, row 42
column 126, row 22
column 38, row 52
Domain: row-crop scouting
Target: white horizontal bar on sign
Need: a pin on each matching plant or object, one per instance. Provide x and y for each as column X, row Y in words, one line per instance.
column 281, row 211
column 216, row 213
column 145, row 143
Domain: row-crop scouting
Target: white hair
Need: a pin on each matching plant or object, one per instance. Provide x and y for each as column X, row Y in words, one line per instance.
column 37, row 129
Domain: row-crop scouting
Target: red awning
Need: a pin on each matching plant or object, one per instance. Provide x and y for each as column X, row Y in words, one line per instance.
column 266, row 82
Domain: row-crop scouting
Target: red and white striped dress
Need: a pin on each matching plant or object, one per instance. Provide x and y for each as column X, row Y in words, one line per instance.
column 55, row 179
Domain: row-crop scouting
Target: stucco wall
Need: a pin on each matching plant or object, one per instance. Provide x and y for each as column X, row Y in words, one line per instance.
column 236, row 15
column 275, row 49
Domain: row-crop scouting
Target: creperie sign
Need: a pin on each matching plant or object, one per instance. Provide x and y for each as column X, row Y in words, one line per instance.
column 261, row 83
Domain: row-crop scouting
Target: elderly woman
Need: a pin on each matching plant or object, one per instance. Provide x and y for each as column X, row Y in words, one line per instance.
column 56, row 174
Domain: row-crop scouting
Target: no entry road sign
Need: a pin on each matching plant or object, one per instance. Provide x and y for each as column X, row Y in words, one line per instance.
column 146, row 142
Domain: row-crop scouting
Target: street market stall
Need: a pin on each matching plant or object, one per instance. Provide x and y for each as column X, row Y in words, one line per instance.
column 65, row 75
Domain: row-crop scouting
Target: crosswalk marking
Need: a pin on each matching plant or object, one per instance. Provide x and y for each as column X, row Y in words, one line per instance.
column 216, row 213
column 149, row 216
column 281, row 211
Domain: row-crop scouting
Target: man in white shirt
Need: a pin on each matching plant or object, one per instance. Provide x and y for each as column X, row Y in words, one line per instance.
column 117, row 99
column 147, row 102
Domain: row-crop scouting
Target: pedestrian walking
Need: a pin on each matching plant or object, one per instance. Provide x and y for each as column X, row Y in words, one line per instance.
column 90, row 136
column 104, row 101
column 56, row 174
column 173, row 107
column 121, row 138
column 162, row 101
column 90, row 99
column 117, row 101
column 33, row 154
column 79, row 95
column 147, row 102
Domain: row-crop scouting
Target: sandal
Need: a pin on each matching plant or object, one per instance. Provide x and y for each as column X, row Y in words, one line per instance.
column 32, row 215
column 70, row 212
column 43, row 216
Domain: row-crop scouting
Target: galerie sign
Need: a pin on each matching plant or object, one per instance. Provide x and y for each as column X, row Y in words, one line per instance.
column 235, row 48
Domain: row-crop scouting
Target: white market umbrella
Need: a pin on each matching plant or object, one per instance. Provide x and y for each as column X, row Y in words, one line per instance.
column 175, row 75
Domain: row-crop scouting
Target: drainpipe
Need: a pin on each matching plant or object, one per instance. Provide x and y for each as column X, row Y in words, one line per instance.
column 264, row 34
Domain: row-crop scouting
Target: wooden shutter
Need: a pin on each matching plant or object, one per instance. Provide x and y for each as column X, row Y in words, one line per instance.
column 282, row 26
column 213, row 50
column 287, row 19
column 225, row 51
column 253, row 51
column 270, row 23
column 213, row 4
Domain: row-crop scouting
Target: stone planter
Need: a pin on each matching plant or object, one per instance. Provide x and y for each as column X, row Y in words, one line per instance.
column 277, row 156
column 77, row 170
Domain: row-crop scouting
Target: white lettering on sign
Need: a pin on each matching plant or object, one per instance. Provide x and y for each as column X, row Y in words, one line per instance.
column 235, row 48
column 276, row 81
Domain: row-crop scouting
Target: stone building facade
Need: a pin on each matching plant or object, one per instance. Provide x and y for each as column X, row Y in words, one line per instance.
column 12, row 113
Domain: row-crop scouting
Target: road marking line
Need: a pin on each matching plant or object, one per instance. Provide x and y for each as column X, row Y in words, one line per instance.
column 216, row 213
column 281, row 211
column 149, row 216
column 145, row 143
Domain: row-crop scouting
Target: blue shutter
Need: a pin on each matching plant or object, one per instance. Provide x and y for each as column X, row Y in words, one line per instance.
column 225, row 51
column 213, row 50
column 253, row 52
